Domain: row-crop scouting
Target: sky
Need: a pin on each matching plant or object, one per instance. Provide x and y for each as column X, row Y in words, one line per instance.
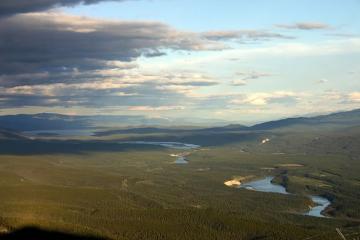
column 236, row 60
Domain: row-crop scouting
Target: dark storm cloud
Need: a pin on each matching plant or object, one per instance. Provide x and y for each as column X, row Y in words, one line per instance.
column 63, row 75
column 51, row 47
column 10, row 7
column 49, row 42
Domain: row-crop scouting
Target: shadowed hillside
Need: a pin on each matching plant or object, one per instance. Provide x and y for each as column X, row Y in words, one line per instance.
column 32, row 233
column 335, row 120
column 9, row 135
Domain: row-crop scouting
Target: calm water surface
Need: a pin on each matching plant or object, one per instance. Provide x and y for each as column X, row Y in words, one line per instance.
column 265, row 185
column 322, row 203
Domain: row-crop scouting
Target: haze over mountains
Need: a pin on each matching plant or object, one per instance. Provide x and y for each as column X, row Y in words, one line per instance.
column 51, row 121
column 141, row 124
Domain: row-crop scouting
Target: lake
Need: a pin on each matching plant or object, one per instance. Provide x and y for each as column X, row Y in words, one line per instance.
column 266, row 185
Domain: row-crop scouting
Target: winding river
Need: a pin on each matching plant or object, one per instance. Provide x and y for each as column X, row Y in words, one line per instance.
column 180, row 158
column 321, row 204
column 265, row 185
column 173, row 145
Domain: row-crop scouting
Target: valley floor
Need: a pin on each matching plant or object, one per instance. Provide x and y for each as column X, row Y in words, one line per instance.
column 143, row 194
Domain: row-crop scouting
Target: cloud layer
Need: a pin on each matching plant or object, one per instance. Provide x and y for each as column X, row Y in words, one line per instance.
column 10, row 7
column 52, row 41
column 53, row 59
column 305, row 26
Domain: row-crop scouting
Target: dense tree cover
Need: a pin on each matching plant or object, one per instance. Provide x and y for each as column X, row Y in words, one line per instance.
column 136, row 192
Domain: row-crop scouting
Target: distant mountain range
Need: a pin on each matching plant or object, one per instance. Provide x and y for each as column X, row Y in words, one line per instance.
column 52, row 121
column 143, row 125
column 334, row 120
column 323, row 122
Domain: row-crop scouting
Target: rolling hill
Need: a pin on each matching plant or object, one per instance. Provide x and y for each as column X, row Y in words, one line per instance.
column 334, row 120
column 143, row 125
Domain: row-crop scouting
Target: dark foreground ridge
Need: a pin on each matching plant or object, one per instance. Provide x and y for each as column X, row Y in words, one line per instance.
column 33, row 233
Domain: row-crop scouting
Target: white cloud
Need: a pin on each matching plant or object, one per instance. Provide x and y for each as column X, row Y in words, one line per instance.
column 276, row 50
column 245, row 76
column 264, row 98
column 354, row 96
column 305, row 26
column 239, row 82
column 323, row 80
column 151, row 108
